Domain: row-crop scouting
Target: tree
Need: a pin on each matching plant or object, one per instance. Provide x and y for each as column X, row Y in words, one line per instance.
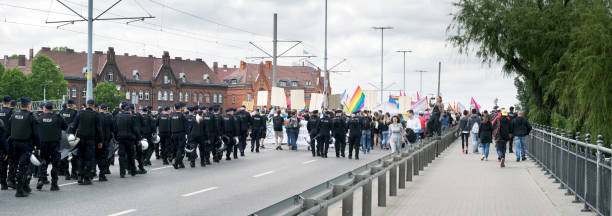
column 46, row 73
column 560, row 52
column 14, row 56
column 106, row 92
column 1, row 69
column 60, row 48
column 12, row 83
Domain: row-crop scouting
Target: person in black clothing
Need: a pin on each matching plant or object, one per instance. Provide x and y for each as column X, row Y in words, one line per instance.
column 212, row 135
column 501, row 134
column 87, row 126
column 257, row 123
column 245, row 122
column 163, row 127
column 5, row 158
column 277, row 124
column 354, row 128
column 324, row 127
column 4, row 151
column 485, row 134
column 217, row 147
column 520, row 128
column 339, row 131
column 511, row 115
column 230, row 128
column 179, row 126
column 25, row 135
column 195, row 135
column 107, row 150
column 127, row 134
column 51, row 126
column 148, row 132
column 69, row 114
column 140, row 153
column 313, row 132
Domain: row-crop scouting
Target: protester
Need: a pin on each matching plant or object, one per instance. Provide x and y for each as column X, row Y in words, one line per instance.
column 501, row 134
column 395, row 134
column 277, row 124
column 384, row 128
column 464, row 130
column 520, row 128
column 474, row 125
column 485, row 134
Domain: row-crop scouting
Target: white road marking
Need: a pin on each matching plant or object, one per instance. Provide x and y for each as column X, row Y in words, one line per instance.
column 307, row 162
column 263, row 174
column 71, row 183
column 123, row 212
column 158, row 168
column 200, row 191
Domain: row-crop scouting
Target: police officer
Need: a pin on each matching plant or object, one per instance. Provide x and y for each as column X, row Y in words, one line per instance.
column 245, row 122
column 24, row 133
column 339, row 132
column 127, row 134
column 88, row 127
column 212, row 131
column 324, row 127
column 354, row 127
column 4, row 151
column 179, row 126
column 257, row 123
column 163, row 127
column 5, row 114
column 146, row 132
column 196, row 135
column 148, row 127
column 107, row 150
column 68, row 114
column 313, row 132
column 51, row 126
column 230, row 129
column 218, row 154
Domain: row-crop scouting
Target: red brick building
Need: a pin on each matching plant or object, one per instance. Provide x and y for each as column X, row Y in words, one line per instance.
column 165, row 81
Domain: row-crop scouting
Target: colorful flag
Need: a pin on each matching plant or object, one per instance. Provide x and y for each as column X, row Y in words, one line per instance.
column 475, row 105
column 418, row 97
column 461, row 107
column 356, row 101
column 288, row 102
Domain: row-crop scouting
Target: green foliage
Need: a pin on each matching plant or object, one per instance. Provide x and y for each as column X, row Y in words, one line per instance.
column 559, row 51
column 60, row 48
column 1, row 69
column 45, row 73
column 14, row 56
column 106, row 92
column 12, row 83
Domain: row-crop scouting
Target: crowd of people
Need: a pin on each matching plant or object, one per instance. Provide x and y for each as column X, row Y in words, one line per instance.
column 506, row 129
column 80, row 144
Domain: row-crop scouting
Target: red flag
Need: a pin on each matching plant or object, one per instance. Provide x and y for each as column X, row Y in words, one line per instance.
column 288, row 102
column 418, row 98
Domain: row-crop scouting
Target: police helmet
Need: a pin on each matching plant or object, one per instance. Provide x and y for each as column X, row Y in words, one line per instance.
column 155, row 139
column 34, row 160
column 72, row 140
column 144, row 145
column 189, row 148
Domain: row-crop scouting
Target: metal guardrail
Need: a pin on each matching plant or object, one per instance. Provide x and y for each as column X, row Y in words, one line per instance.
column 316, row 200
column 582, row 168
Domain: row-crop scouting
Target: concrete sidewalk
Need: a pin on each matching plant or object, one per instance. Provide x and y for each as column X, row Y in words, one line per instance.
column 460, row 184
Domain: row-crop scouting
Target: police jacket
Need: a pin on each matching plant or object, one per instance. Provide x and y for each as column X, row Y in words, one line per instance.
column 146, row 125
column 354, row 125
column 163, row 124
column 211, row 124
column 51, row 126
column 127, row 127
column 5, row 114
column 324, row 126
column 229, row 125
column 108, row 126
column 24, row 128
column 258, row 121
column 87, row 124
column 178, row 123
column 339, row 125
column 4, row 149
column 196, row 132
column 311, row 125
column 245, row 120
column 68, row 115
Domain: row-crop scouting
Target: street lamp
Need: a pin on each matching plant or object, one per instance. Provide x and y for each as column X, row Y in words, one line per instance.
column 421, row 82
column 382, row 39
column 404, row 52
column 49, row 82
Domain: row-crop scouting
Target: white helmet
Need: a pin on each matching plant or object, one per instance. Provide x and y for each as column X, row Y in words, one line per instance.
column 72, row 140
column 155, row 139
column 144, row 144
column 34, row 160
column 189, row 148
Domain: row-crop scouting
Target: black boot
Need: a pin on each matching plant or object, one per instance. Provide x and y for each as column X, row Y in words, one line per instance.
column 141, row 170
column 165, row 162
column 20, row 192
column 86, row 181
column 192, row 164
column 102, row 178
column 40, row 184
column 3, row 184
column 80, row 180
column 67, row 178
column 242, row 154
column 11, row 184
column 26, row 186
column 54, row 186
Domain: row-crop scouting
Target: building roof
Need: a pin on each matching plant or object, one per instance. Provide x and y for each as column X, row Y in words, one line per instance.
column 249, row 72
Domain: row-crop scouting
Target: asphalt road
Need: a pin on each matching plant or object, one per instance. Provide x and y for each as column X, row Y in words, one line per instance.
column 236, row 187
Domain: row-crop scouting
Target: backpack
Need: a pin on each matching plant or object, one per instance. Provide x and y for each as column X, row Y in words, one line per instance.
column 410, row 135
column 475, row 128
column 293, row 122
column 277, row 122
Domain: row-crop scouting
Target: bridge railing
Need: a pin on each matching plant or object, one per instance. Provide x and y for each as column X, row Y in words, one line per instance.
column 408, row 162
column 581, row 167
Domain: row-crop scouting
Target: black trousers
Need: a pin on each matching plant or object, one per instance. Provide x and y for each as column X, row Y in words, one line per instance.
column 8, row 166
column 255, row 136
column 354, row 140
column 49, row 153
column 178, row 141
column 313, row 147
column 242, row 140
column 205, row 148
column 86, row 152
column 194, row 154
column 21, row 155
column 149, row 151
column 102, row 157
column 464, row 140
column 323, row 144
column 165, row 146
column 126, row 156
column 340, row 143
column 231, row 145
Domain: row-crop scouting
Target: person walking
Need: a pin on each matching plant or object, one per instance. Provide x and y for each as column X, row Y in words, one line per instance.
column 366, row 133
column 519, row 129
column 277, row 124
column 464, row 130
column 384, row 129
column 413, row 124
column 501, row 135
column 474, row 125
column 395, row 134
column 485, row 132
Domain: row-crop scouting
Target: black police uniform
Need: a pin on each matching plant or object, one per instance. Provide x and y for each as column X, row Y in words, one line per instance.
column 313, row 132
column 24, row 133
column 108, row 150
column 179, row 127
column 354, row 126
column 323, row 127
column 7, row 176
column 127, row 134
column 245, row 122
column 339, row 132
column 258, row 122
column 88, row 127
column 195, row 137
column 163, row 127
column 68, row 115
column 51, row 126
column 140, row 154
column 229, row 128
column 4, row 152
column 218, row 152
column 148, row 129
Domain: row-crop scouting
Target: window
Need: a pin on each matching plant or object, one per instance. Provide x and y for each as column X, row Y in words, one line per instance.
column 140, row 95
column 134, row 95
column 220, row 98
column 282, row 83
column 207, row 98
column 308, row 83
column 159, row 96
column 234, row 81
column 200, row 97
column 127, row 94
column 214, row 98
column 233, row 99
column 307, row 96
column 136, row 75
column 84, row 92
column 73, row 92
column 181, row 96
column 195, row 98
column 294, row 83
column 110, row 76
column 171, row 96
column 166, row 80
column 147, row 95
column 165, row 95
column 249, row 97
column 186, row 97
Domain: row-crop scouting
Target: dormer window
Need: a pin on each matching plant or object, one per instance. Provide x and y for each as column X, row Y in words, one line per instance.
column 183, row 77
column 84, row 70
column 166, row 80
column 234, row 81
column 110, row 76
column 282, row 83
column 136, row 75
column 206, row 78
column 294, row 83
column 308, row 83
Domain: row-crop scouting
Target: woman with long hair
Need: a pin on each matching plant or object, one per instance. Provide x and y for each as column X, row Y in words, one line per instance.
column 485, row 134
column 395, row 134
column 464, row 130
column 375, row 130
column 384, row 130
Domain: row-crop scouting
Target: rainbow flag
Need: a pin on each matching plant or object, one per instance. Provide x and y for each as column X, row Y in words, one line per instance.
column 461, row 107
column 474, row 104
column 357, row 100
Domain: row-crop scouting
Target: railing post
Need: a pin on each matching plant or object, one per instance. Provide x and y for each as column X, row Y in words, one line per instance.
column 366, row 199
column 569, row 172
column 586, row 173
column 393, row 179
column 415, row 161
column 309, row 203
column 597, row 181
column 553, row 166
column 409, row 168
column 562, row 167
column 347, row 202
column 402, row 174
column 382, row 187
column 577, row 149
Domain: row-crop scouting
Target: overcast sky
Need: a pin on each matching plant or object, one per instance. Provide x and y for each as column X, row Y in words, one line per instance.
column 219, row 30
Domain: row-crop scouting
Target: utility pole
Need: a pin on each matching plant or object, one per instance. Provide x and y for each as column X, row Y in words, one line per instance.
column 421, row 85
column 274, row 56
column 89, row 20
column 382, row 40
column 325, row 62
column 439, row 70
column 404, row 52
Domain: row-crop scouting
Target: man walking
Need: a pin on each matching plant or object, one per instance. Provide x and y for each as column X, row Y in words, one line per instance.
column 277, row 124
column 88, row 127
column 519, row 129
column 51, row 126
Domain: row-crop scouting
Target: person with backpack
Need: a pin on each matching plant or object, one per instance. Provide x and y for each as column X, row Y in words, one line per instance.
column 485, row 134
column 293, row 129
column 277, row 123
column 519, row 129
column 501, row 135
column 474, row 125
column 464, row 130
column 412, row 124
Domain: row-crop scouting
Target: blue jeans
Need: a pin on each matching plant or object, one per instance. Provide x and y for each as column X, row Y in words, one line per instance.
column 385, row 138
column 292, row 138
column 519, row 146
column 474, row 141
column 485, row 149
column 366, row 140
column 501, row 149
